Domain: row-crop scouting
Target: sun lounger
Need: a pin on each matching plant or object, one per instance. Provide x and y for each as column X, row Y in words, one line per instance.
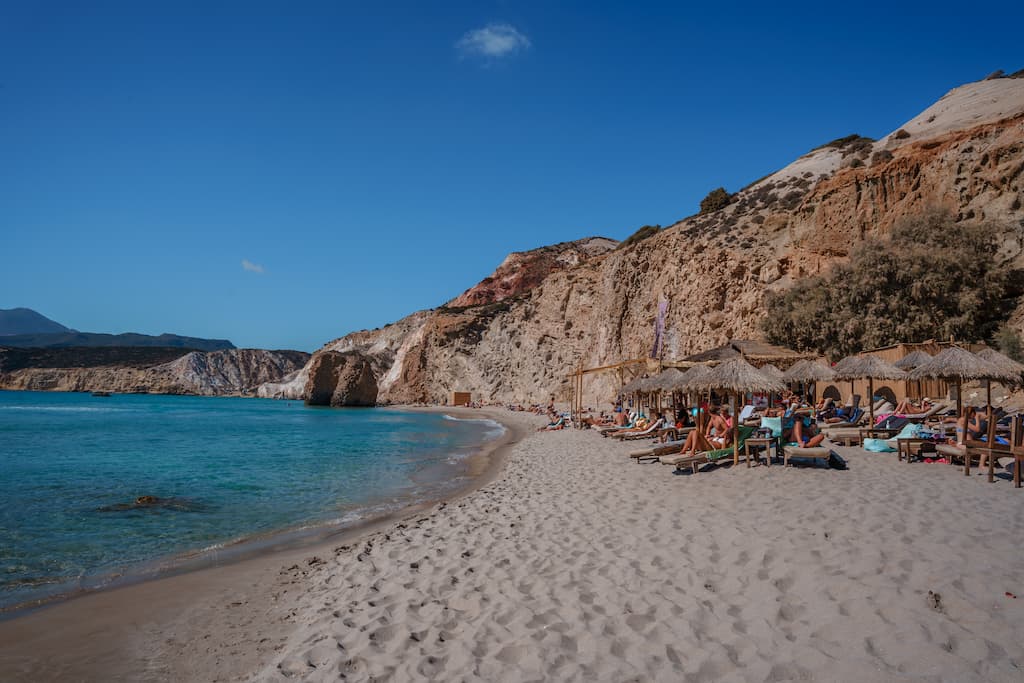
column 657, row 450
column 820, row 452
column 655, row 426
column 695, row 461
column 858, row 418
column 936, row 408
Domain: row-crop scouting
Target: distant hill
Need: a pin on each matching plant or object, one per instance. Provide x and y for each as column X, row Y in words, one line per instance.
column 27, row 321
column 23, row 327
column 69, row 339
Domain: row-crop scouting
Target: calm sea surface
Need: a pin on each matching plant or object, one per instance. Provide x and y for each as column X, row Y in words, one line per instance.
column 224, row 469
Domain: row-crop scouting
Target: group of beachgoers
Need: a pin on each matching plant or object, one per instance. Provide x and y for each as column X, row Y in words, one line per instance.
column 794, row 420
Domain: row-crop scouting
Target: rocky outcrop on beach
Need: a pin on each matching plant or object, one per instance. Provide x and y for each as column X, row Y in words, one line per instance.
column 341, row 380
column 234, row 372
column 518, row 338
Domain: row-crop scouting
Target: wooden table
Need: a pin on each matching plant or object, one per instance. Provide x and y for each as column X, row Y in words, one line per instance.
column 767, row 443
column 904, row 447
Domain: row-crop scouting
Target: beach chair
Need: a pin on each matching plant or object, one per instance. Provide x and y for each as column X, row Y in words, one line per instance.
column 857, row 419
column 820, row 452
column 936, row 408
column 655, row 426
column 695, row 461
column 657, row 450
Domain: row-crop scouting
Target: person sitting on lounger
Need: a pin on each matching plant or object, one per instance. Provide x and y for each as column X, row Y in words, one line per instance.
column 804, row 434
column 717, row 435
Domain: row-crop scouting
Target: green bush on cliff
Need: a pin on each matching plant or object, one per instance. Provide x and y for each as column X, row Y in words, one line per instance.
column 639, row 236
column 716, row 199
column 931, row 279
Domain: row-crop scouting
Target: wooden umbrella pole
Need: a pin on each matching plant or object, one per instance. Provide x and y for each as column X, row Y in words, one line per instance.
column 962, row 416
column 991, row 432
column 871, row 401
column 736, row 431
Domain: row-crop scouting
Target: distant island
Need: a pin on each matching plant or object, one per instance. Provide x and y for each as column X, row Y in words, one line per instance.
column 25, row 328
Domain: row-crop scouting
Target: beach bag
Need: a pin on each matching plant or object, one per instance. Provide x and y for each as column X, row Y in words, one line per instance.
column 877, row 446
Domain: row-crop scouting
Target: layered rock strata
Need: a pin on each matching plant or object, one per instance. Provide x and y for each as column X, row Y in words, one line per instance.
column 518, row 338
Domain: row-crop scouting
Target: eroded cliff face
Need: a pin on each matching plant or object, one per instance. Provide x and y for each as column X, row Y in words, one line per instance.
column 234, row 372
column 520, row 342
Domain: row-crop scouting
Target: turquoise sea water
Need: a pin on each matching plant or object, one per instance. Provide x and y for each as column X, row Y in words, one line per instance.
column 224, row 469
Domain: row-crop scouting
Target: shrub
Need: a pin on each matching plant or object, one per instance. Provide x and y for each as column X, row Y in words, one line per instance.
column 1009, row 342
column 639, row 236
column 881, row 156
column 931, row 279
column 716, row 200
column 856, row 162
column 841, row 143
column 901, row 134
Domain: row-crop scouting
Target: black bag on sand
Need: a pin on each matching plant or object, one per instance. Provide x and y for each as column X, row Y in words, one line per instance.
column 836, row 461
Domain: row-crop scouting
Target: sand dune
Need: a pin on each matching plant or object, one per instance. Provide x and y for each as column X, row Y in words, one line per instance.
column 577, row 564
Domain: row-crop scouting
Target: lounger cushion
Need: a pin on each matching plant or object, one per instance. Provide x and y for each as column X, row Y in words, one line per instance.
column 795, row 451
column 950, row 451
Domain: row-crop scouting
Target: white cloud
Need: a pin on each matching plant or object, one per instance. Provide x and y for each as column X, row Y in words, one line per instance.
column 252, row 267
column 493, row 41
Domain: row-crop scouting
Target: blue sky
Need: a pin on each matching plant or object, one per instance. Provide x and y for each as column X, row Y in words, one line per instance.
column 366, row 160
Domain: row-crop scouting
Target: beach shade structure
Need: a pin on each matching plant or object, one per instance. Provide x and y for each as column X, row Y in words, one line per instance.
column 867, row 367
column 737, row 377
column 958, row 366
column 808, row 372
column 669, row 380
column 687, row 384
column 1005, row 363
column 913, row 360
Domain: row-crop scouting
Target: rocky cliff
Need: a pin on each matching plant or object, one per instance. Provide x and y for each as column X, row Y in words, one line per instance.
column 148, row 370
column 516, row 338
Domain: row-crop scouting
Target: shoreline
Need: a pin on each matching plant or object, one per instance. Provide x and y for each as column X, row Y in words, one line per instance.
column 46, row 626
column 294, row 537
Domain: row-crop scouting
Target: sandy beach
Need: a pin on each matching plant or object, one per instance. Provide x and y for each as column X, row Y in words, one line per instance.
column 575, row 563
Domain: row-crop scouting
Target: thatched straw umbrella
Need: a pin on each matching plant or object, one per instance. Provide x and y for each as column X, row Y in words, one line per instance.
column 958, row 365
column 911, row 361
column 737, row 376
column 868, row 367
column 808, row 372
column 687, row 384
column 1006, row 364
column 667, row 381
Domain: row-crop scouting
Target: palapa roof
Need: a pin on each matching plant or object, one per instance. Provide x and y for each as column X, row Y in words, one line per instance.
column 631, row 386
column 808, row 371
column 913, row 360
column 1003, row 362
column 693, row 375
column 746, row 348
column 866, row 366
column 669, row 379
column 958, row 364
column 772, row 371
column 739, row 376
